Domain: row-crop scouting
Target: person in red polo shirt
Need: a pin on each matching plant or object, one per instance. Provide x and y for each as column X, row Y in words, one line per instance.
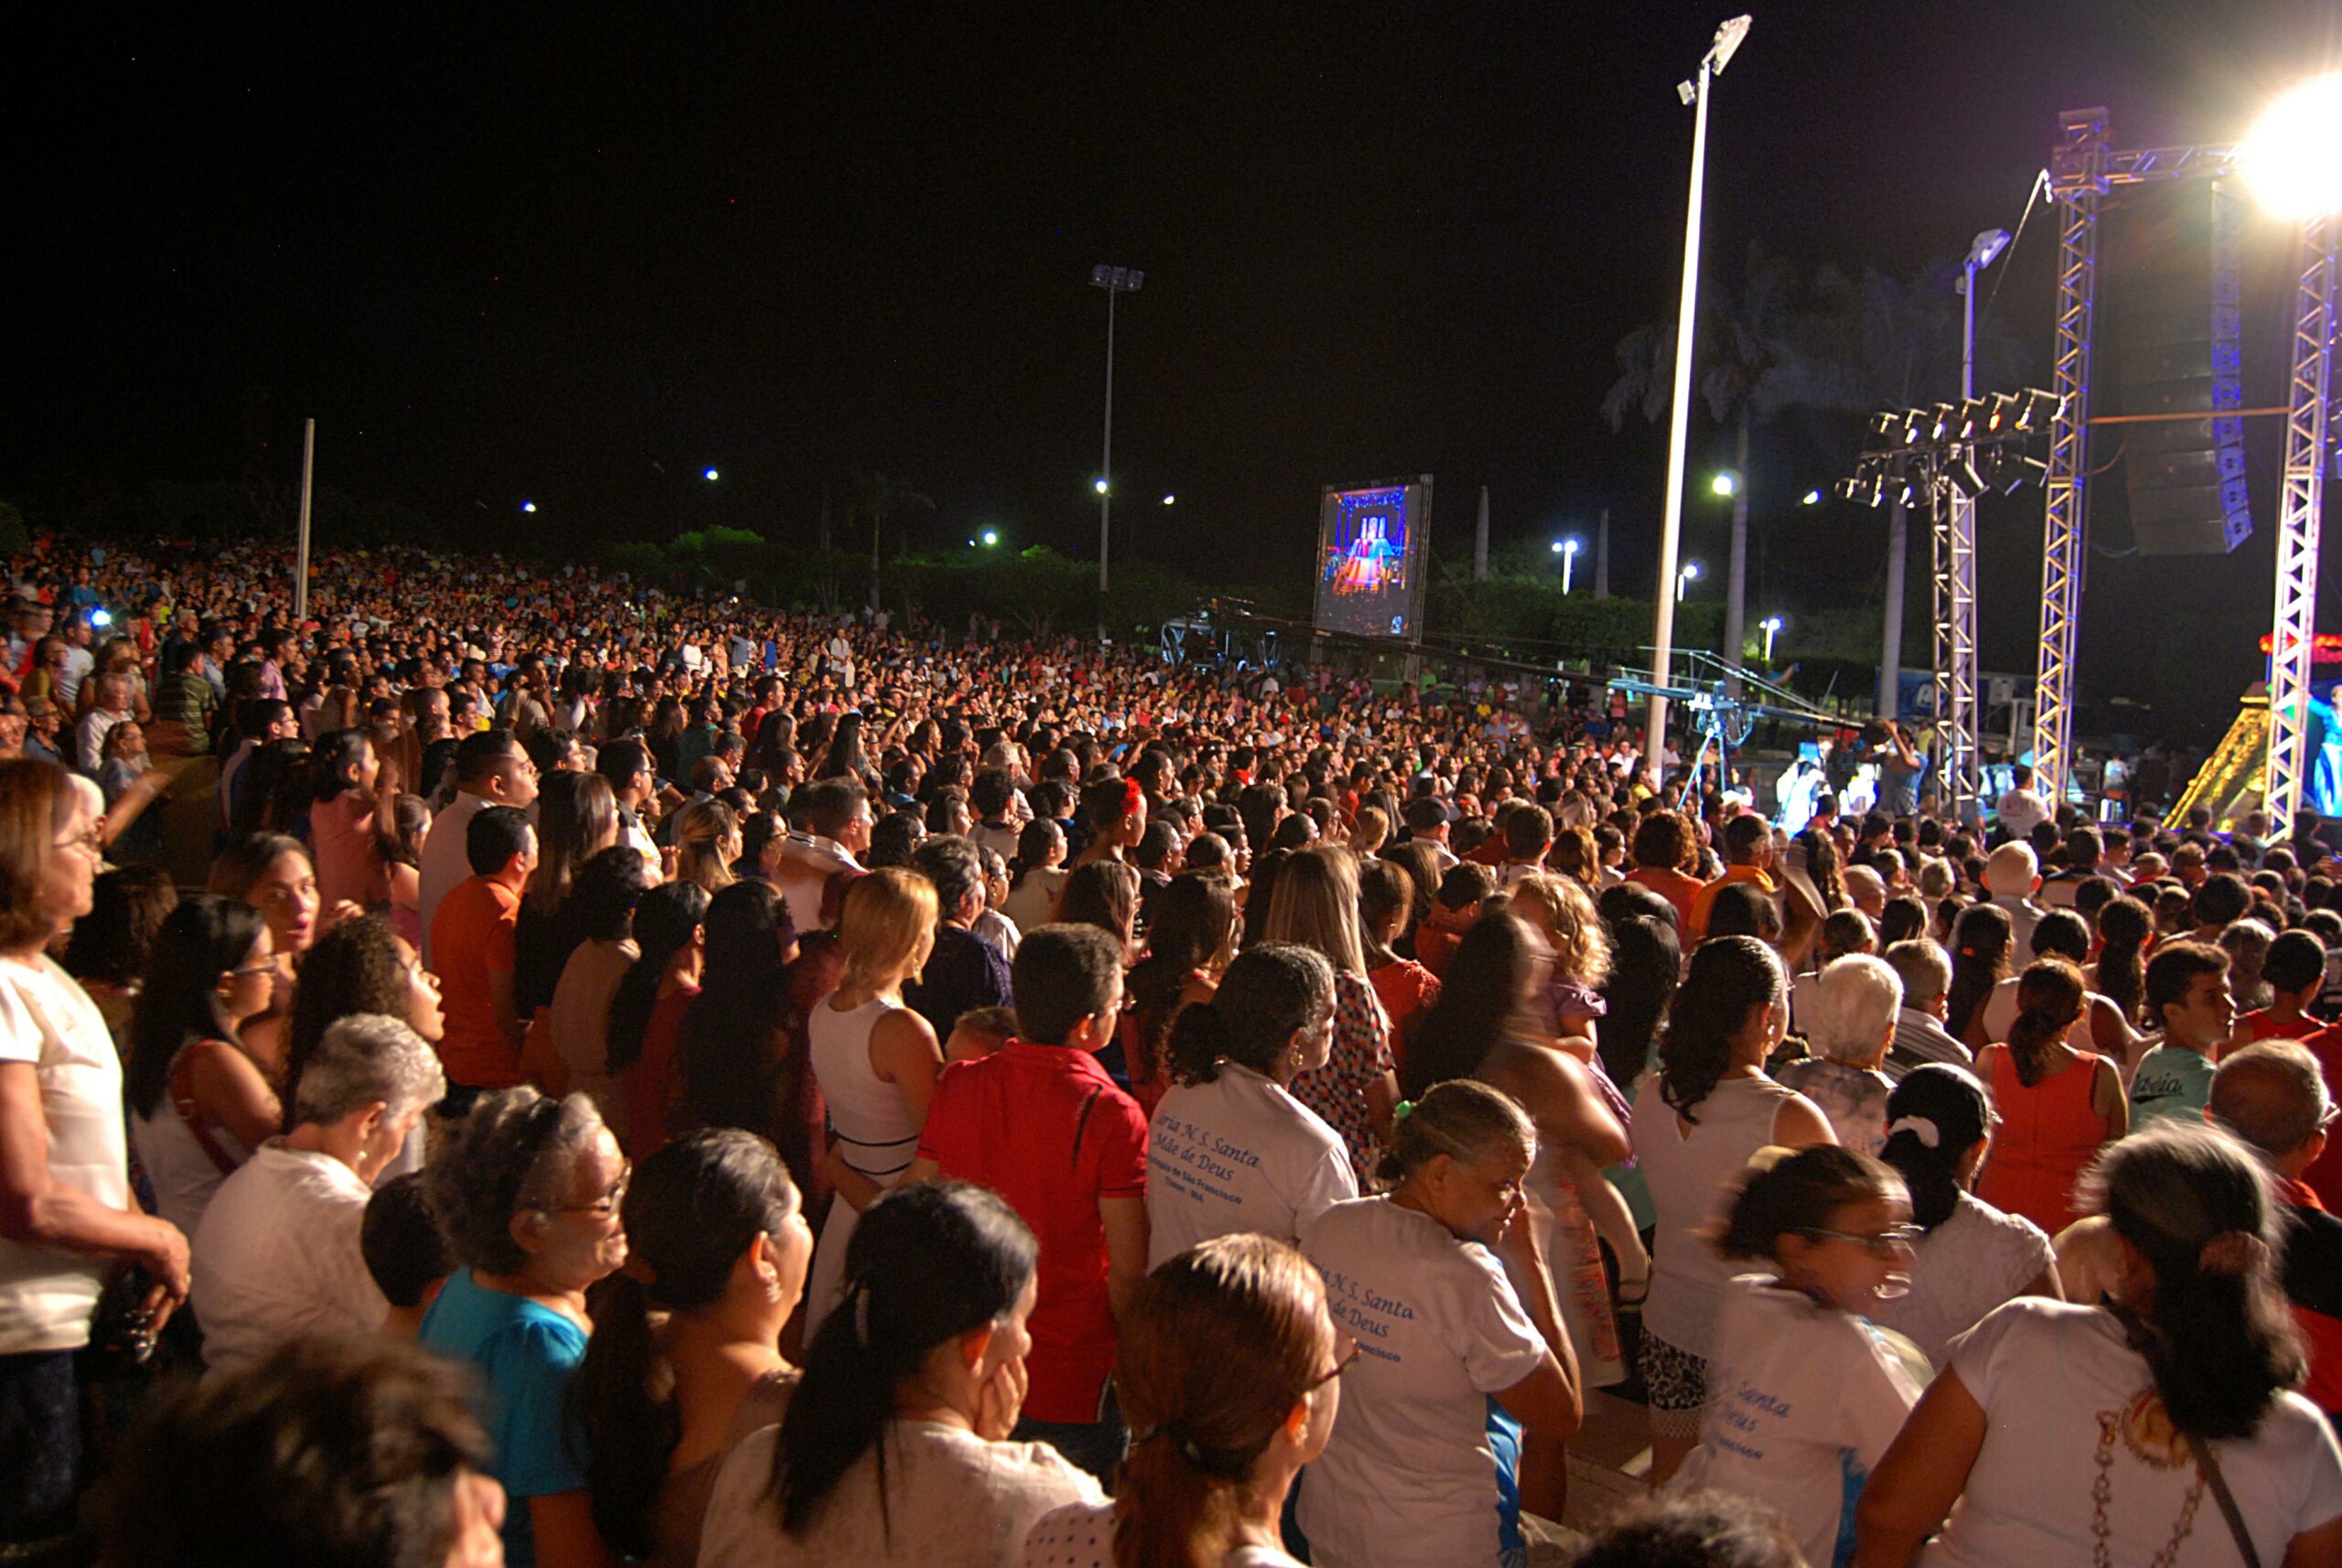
column 1039, row 1122
column 473, row 951
column 2294, row 971
column 2271, row 1095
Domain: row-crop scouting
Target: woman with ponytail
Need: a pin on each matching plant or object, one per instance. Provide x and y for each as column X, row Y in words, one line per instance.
column 2058, row 1106
column 893, row 1451
column 1229, row 1370
column 1443, row 1276
column 649, row 1007
column 1972, row 1257
column 2160, row 1429
column 1979, row 960
column 1230, row 1148
column 2126, row 929
column 1699, row 1116
column 683, row 1362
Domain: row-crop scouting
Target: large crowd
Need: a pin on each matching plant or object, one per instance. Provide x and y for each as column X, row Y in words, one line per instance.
column 516, row 1066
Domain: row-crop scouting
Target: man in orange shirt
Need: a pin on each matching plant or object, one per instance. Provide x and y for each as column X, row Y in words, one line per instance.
column 472, row 943
column 2295, row 973
column 1749, row 857
column 1666, row 849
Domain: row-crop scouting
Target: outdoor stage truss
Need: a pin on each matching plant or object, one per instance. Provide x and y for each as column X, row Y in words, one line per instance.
column 2308, row 439
column 1960, row 774
column 2082, row 169
column 1949, row 455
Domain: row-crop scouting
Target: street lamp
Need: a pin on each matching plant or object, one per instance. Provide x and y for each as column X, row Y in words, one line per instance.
column 1725, row 483
column 1114, row 280
column 1686, row 577
column 1170, row 501
column 1099, row 485
column 528, row 506
column 710, row 475
column 1694, row 93
column 1567, row 549
column 1772, row 625
column 992, row 536
column 1811, row 497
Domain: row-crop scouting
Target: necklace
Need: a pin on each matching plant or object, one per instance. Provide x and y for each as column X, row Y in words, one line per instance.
column 2147, row 1433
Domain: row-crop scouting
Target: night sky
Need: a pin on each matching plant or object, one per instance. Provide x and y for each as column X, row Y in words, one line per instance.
column 517, row 252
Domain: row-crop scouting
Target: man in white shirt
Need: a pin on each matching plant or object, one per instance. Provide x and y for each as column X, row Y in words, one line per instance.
column 491, row 771
column 277, row 1254
column 2021, row 807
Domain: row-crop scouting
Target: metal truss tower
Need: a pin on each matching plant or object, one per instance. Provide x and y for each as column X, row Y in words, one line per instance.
column 2309, row 434
column 1952, row 517
column 2082, row 169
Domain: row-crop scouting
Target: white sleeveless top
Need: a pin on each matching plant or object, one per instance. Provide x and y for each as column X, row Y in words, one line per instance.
column 1690, row 1175
column 866, row 1113
column 182, row 1175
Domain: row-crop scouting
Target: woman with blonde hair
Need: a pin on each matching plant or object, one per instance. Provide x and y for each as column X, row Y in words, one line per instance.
column 876, row 1059
column 1315, row 902
column 1561, row 913
column 1230, row 1370
column 707, row 840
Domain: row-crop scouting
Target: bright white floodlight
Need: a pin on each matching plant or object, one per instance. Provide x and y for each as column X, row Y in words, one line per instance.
column 2289, row 158
column 1728, row 38
column 1988, row 244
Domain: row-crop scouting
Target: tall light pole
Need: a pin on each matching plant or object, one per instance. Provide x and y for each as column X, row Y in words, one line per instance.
column 1693, row 92
column 301, row 561
column 1688, row 575
column 1772, row 625
column 1114, row 280
column 1567, row 549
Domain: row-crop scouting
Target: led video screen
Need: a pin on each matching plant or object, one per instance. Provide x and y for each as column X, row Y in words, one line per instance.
column 1370, row 547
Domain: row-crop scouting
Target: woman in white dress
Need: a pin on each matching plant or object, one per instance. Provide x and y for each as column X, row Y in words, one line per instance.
column 876, row 1060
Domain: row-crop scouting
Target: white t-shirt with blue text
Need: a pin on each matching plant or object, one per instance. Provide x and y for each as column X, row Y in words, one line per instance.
column 1238, row 1155
column 1421, row 1469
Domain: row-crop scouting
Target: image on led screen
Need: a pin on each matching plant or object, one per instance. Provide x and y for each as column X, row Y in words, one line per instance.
column 1370, row 559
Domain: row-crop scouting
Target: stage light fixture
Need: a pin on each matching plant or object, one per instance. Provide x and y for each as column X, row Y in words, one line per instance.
column 1946, row 420
column 1915, row 427
column 1975, row 416
column 1886, row 423
column 2288, row 158
column 2041, row 408
column 1811, row 497
column 2004, row 411
column 1961, row 471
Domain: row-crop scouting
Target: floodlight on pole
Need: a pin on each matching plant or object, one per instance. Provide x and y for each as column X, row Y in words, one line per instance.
column 1684, row 578
column 1725, row 483
column 528, row 506
column 1694, row 93
column 1114, row 280
column 2288, row 158
column 992, row 536
column 1569, row 549
column 1772, row 625
column 710, row 475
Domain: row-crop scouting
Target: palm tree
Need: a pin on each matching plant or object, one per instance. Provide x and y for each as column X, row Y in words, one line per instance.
column 1754, row 350
column 878, row 497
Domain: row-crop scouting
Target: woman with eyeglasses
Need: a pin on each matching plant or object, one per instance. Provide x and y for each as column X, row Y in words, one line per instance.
column 199, row 1103
column 66, row 1218
column 527, row 1192
column 1230, row 1370
column 1804, row 1394
column 1443, row 1279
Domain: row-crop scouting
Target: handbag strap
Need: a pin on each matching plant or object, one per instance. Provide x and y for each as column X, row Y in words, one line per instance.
column 191, row 1115
column 2209, row 1469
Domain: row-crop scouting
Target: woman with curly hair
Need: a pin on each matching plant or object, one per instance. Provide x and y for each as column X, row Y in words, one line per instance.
column 1705, row 1108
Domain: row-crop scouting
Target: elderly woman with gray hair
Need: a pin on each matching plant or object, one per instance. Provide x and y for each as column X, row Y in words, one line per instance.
column 528, row 1191
column 1857, row 999
column 277, row 1252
